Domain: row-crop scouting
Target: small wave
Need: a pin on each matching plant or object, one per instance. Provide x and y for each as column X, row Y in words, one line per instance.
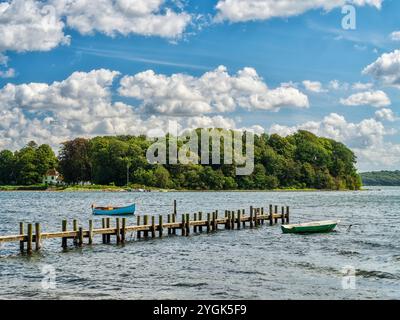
column 190, row 285
column 377, row 274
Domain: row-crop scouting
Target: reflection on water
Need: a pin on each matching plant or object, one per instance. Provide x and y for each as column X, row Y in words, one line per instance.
column 246, row 264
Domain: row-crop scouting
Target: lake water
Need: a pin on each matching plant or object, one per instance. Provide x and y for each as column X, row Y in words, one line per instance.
column 245, row 264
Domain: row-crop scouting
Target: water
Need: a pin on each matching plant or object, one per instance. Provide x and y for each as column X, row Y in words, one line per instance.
column 247, row 264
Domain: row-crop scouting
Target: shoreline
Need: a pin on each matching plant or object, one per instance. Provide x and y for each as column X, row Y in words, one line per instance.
column 154, row 190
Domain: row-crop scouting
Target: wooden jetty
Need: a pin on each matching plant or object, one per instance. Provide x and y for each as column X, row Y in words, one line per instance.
column 150, row 228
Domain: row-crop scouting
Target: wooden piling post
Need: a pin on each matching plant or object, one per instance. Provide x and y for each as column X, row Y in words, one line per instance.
column 271, row 216
column 183, row 225
column 251, row 218
column 169, row 220
column 103, row 225
column 243, row 214
column 216, row 219
column 228, row 220
column 287, row 215
column 146, row 222
column 153, row 227
column 117, row 231
column 214, row 223
column 80, row 237
column 160, row 226
column 283, row 215
column 195, row 220
column 75, row 228
column 123, row 230
column 233, row 220
column 208, row 222
column 108, row 221
column 262, row 214
column 256, row 218
column 90, row 232
column 64, row 225
column 201, row 219
column 21, row 232
column 138, row 234
column 30, row 239
column 187, row 222
column 38, row 237
column 174, row 221
column 175, row 209
column 276, row 212
column 239, row 219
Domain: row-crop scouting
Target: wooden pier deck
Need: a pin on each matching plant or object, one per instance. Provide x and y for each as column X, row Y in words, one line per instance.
column 147, row 227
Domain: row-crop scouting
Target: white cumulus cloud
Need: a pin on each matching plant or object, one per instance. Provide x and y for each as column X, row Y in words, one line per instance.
column 313, row 86
column 214, row 91
column 246, row 10
column 386, row 69
column 385, row 114
column 372, row 98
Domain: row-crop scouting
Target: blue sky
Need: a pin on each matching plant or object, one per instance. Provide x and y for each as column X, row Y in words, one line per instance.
column 283, row 49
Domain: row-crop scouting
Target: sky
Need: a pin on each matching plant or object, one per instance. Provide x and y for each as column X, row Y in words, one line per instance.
column 80, row 68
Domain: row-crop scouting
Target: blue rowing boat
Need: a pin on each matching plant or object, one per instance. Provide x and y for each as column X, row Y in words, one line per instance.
column 114, row 211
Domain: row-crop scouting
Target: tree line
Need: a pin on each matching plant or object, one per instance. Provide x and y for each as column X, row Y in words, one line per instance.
column 301, row 160
column 381, row 178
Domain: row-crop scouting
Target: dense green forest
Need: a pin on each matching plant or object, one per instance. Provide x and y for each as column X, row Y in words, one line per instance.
column 381, row 178
column 301, row 160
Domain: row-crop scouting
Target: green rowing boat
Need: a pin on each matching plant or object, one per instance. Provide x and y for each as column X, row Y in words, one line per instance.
column 311, row 227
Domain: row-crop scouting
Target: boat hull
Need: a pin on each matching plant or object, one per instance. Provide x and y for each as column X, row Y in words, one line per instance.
column 121, row 211
column 319, row 227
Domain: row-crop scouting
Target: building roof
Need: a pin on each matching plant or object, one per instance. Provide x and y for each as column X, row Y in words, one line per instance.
column 52, row 173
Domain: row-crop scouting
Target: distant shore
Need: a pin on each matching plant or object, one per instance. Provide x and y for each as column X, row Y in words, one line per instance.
column 101, row 188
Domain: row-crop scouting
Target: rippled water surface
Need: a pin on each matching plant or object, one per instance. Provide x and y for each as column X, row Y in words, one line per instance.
column 246, row 264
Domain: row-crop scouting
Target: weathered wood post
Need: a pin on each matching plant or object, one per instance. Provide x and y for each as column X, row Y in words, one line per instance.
column 174, row 221
column 262, row 214
column 146, row 223
column 187, row 222
column 243, row 214
column 38, row 237
column 21, row 232
column 90, row 232
column 117, row 231
column 239, row 219
column 233, row 220
column 80, row 237
column 208, row 222
column 287, row 215
column 169, row 220
column 276, row 212
column 153, row 227
column 201, row 219
column 123, row 230
column 256, row 218
column 214, row 224
column 175, row 209
column 195, row 220
column 271, row 216
column 75, row 228
column 138, row 234
column 64, row 225
column 228, row 220
column 108, row 223
column 283, row 215
column 30, row 239
column 183, row 226
column 216, row 219
column 251, row 218
column 103, row 225
column 160, row 226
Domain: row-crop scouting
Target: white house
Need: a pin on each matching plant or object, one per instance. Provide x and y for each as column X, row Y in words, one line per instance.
column 53, row 177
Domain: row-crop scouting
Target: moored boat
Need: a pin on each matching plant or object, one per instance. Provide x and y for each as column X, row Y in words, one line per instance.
column 114, row 211
column 311, row 227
